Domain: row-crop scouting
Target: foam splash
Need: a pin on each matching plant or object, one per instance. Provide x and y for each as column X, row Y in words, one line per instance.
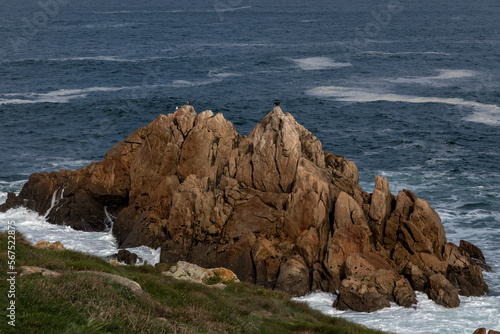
column 98, row 58
column 57, row 96
column 214, row 77
column 231, row 9
column 318, row 63
column 35, row 228
column 427, row 317
column 405, row 53
column 484, row 113
column 443, row 78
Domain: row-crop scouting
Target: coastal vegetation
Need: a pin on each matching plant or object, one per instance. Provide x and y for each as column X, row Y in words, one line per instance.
column 76, row 302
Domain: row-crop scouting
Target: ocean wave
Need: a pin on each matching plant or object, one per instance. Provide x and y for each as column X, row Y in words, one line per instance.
column 214, row 76
column 443, row 78
column 115, row 12
column 405, row 53
column 56, row 163
column 57, row 96
column 110, row 58
column 490, row 117
column 484, row 113
column 318, row 63
column 187, row 83
column 10, row 187
column 229, row 9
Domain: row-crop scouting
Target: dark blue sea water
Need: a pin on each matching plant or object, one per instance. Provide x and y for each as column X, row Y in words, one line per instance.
column 407, row 90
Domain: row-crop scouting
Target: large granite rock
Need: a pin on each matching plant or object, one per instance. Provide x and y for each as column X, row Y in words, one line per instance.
column 273, row 207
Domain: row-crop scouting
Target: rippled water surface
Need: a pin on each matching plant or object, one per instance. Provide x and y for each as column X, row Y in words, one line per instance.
column 407, row 90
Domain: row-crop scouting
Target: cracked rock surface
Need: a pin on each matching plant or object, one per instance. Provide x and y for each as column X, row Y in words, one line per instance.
column 273, row 207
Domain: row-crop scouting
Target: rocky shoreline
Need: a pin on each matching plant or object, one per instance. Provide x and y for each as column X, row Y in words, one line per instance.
column 273, row 207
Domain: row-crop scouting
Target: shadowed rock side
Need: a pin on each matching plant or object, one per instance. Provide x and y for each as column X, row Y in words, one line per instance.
column 273, row 207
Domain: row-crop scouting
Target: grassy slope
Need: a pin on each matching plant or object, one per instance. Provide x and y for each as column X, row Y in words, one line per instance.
column 81, row 303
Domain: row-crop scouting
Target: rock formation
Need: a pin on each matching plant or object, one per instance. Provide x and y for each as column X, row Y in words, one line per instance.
column 196, row 274
column 273, row 207
column 483, row 331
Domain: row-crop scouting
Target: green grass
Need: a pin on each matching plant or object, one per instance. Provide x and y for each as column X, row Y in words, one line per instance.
column 85, row 303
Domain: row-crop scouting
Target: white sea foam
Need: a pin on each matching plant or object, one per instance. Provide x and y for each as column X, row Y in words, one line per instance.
column 214, row 77
column 107, row 58
column 100, row 58
column 491, row 117
column 35, row 228
column 484, row 113
column 222, row 75
column 404, row 53
column 187, row 83
column 115, row 12
column 318, row 63
column 231, row 9
column 91, row 58
column 66, row 163
column 427, row 317
column 443, row 78
column 57, row 96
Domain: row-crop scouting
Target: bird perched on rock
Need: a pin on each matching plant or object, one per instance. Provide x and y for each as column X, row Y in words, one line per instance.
column 277, row 103
column 189, row 103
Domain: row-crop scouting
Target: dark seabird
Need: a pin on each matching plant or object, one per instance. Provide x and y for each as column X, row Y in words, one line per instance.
column 277, row 103
column 189, row 103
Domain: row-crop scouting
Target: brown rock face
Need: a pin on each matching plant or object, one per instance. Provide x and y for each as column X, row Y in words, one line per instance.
column 442, row 291
column 273, row 207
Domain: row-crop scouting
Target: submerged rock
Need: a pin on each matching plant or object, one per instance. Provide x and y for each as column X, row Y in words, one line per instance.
column 273, row 207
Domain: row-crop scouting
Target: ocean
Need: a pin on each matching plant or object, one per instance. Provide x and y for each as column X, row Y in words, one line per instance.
column 407, row 90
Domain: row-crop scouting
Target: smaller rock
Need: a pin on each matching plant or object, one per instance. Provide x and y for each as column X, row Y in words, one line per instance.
column 491, row 331
column 194, row 273
column 29, row 270
column 472, row 250
column 467, row 280
column 50, row 245
column 218, row 286
column 442, row 291
column 127, row 257
column 132, row 285
column 475, row 254
column 357, row 295
column 124, row 256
